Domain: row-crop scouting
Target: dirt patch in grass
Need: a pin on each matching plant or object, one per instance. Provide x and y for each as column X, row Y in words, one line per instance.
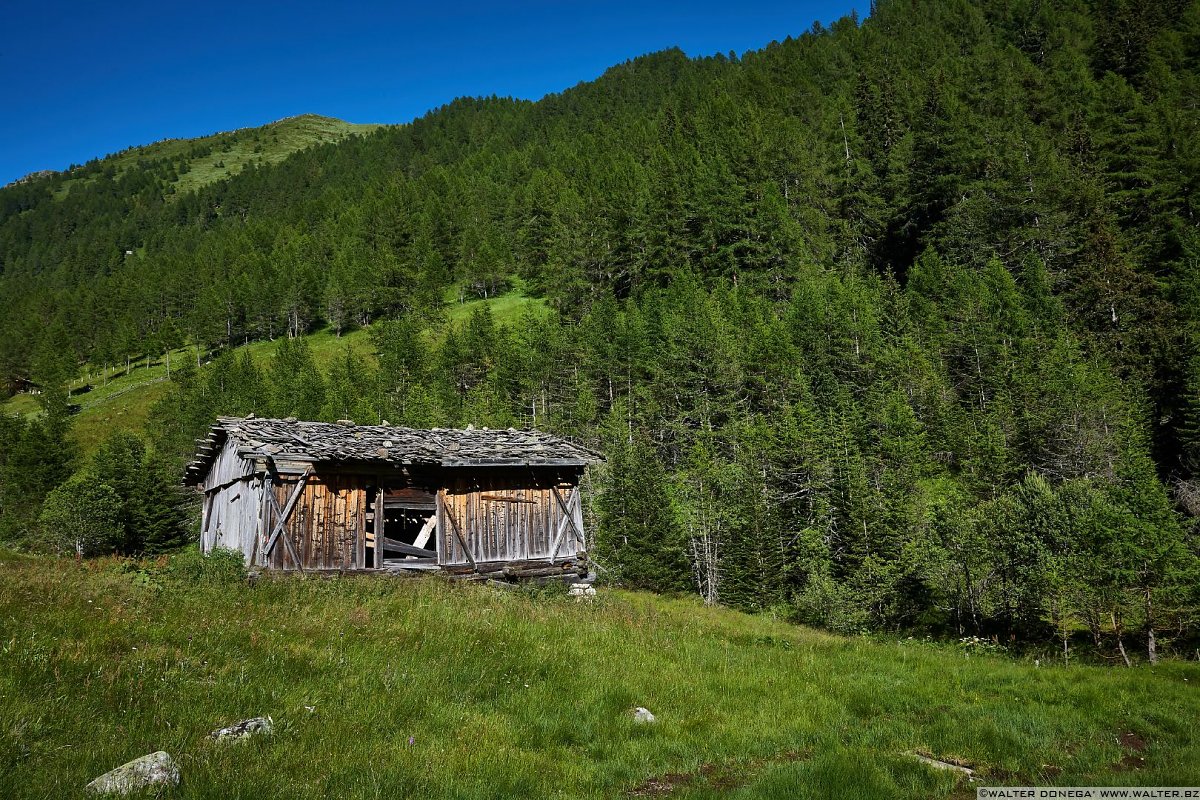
column 722, row 777
column 662, row 785
column 1131, row 741
column 1129, row 763
column 1134, row 744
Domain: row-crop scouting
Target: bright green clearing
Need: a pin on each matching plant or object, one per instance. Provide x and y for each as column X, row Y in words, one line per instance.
column 418, row 688
column 232, row 151
column 121, row 402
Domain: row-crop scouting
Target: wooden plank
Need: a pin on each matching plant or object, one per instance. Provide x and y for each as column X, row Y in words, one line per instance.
column 317, row 532
column 310, row 531
column 358, row 531
column 407, row 549
column 458, row 535
column 337, row 544
column 558, row 537
column 426, row 530
column 499, row 498
column 379, row 526
column 265, row 490
column 285, row 512
column 577, row 516
column 567, row 513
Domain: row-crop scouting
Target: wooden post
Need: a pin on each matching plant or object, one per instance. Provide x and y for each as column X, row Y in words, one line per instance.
column 265, row 486
column 380, row 524
column 360, row 529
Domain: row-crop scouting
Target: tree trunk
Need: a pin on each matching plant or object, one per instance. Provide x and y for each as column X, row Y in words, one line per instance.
column 1151, row 644
column 1120, row 644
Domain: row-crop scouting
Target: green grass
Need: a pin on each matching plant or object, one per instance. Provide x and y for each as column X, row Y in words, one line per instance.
column 509, row 694
column 507, row 308
column 118, row 402
column 122, row 402
column 268, row 144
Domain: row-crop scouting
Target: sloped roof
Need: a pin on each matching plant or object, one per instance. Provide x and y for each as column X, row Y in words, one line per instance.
column 325, row 442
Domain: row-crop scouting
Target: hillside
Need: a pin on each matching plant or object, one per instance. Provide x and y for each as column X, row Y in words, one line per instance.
column 395, row 688
column 891, row 326
column 113, row 400
column 197, row 162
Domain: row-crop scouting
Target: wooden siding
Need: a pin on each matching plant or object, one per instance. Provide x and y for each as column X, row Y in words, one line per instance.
column 326, row 523
column 232, row 517
column 232, row 508
column 227, row 467
column 507, row 524
column 330, row 516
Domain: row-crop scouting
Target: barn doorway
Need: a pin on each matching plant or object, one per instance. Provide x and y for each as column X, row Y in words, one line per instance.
column 409, row 525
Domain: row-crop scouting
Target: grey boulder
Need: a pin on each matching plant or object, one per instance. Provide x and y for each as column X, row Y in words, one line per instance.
column 244, row 729
column 156, row 769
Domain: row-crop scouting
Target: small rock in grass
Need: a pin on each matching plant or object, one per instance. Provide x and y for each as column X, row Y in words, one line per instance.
column 937, row 763
column 642, row 715
column 156, row 769
column 244, row 729
column 582, row 590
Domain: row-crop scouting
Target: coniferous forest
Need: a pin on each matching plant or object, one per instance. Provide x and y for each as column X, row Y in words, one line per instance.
column 893, row 326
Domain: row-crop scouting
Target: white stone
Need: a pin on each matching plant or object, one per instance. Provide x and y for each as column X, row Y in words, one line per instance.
column 244, row 729
column 582, row 590
column 156, row 769
column 642, row 715
column 937, row 763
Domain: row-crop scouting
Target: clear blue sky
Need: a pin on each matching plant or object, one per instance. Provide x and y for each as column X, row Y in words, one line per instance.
column 84, row 79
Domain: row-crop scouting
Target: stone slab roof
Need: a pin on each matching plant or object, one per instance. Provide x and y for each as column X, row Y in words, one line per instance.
column 325, row 442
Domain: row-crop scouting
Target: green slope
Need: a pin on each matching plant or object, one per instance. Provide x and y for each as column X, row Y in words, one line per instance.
column 118, row 401
column 225, row 154
column 382, row 687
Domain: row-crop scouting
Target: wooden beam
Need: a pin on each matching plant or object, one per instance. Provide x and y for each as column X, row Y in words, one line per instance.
column 423, row 537
column 360, row 529
column 499, row 498
column 558, row 537
column 283, row 517
column 568, row 520
column 513, row 571
column 291, row 548
column 378, row 521
column 407, row 549
column 260, row 521
column 449, row 514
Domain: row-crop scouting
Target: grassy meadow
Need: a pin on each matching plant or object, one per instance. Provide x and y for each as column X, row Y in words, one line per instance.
column 234, row 150
column 387, row 687
column 118, row 401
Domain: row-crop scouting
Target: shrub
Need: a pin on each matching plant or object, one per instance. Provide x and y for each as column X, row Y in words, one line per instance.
column 222, row 567
column 82, row 516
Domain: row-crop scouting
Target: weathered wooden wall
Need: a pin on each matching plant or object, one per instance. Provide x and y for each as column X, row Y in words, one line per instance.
column 232, row 507
column 481, row 516
column 508, row 524
column 326, row 523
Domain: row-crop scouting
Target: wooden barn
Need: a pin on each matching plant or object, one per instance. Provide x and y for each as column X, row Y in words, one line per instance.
column 294, row 495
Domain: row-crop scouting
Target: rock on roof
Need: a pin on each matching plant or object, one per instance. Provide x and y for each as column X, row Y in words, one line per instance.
column 325, row 442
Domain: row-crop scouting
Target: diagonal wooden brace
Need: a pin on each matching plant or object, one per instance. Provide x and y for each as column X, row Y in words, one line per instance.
column 458, row 534
column 283, row 517
column 568, row 521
